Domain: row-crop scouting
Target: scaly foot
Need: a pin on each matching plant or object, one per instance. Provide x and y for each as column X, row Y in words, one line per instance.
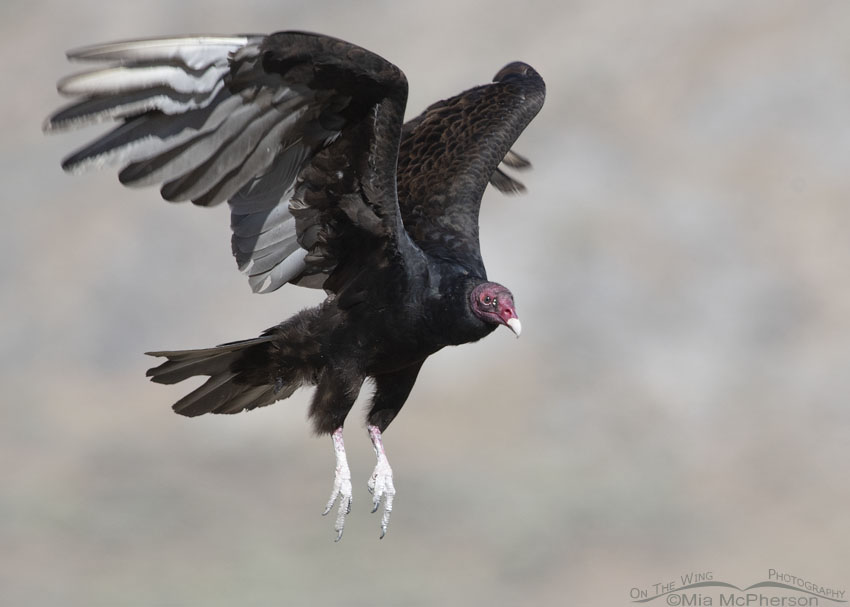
column 381, row 482
column 342, row 485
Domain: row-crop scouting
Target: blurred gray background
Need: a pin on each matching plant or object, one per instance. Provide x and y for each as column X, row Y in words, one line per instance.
column 678, row 400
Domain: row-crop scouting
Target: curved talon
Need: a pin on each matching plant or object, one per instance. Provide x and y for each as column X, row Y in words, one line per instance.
column 381, row 482
column 342, row 491
column 342, row 485
column 345, row 498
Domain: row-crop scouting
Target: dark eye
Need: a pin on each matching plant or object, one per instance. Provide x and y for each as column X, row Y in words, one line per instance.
column 487, row 300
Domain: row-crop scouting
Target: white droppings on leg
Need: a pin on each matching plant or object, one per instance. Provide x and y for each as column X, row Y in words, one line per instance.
column 342, row 484
column 381, row 482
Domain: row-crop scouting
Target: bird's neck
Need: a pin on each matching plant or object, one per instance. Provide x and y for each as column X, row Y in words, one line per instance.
column 449, row 314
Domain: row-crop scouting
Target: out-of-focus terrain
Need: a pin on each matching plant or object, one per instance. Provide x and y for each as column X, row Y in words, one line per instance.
column 678, row 400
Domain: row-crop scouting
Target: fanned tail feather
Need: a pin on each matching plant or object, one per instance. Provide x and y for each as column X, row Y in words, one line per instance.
column 240, row 377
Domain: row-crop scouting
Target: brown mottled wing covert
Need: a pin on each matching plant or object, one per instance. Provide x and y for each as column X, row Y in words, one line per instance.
column 453, row 150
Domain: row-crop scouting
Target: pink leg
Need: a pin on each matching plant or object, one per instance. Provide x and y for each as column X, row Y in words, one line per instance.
column 381, row 481
column 342, row 484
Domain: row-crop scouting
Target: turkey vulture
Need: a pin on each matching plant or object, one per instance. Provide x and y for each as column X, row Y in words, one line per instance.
column 303, row 135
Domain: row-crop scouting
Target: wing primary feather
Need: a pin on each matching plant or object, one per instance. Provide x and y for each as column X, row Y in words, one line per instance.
column 143, row 141
column 120, row 79
column 506, row 184
column 219, row 176
column 184, row 154
column 126, row 105
column 515, row 161
column 257, row 160
column 193, row 51
column 202, row 160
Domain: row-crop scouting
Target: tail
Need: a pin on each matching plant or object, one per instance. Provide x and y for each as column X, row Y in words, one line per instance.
column 242, row 375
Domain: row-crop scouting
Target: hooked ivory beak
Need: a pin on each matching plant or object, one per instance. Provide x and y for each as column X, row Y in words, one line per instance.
column 514, row 325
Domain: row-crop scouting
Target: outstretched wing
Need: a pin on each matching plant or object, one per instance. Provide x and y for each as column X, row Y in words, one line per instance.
column 452, row 151
column 299, row 132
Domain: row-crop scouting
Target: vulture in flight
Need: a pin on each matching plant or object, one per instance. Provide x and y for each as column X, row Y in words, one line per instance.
column 304, row 136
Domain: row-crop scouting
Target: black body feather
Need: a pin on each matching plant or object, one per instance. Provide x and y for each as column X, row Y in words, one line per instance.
column 303, row 135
